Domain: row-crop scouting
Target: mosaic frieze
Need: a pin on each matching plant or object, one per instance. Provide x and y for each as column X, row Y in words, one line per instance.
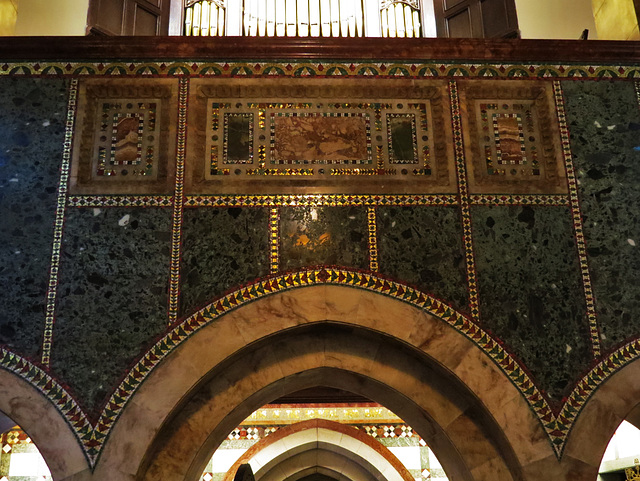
column 339, row 136
column 513, row 142
column 124, row 138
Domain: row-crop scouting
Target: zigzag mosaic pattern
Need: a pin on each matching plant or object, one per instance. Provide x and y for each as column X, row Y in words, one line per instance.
column 320, row 69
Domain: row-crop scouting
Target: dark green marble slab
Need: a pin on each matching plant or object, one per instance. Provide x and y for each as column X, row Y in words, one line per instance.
column 222, row 249
column 604, row 122
column 112, row 296
column 336, row 236
column 32, row 124
column 531, row 293
column 423, row 246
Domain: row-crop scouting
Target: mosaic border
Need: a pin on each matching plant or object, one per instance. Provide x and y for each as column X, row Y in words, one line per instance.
column 576, row 214
column 372, row 228
column 92, row 436
column 461, row 174
column 319, row 200
column 178, row 201
column 511, row 199
column 120, row 201
column 61, row 202
column 327, row 68
column 274, row 239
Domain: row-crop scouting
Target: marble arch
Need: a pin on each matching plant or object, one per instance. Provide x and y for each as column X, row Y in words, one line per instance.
column 304, row 435
column 475, row 419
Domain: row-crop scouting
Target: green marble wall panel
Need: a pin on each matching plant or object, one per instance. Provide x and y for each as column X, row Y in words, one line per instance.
column 530, row 288
column 423, row 246
column 604, row 122
column 336, row 236
column 32, row 123
column 112, row 296
column 222, row 249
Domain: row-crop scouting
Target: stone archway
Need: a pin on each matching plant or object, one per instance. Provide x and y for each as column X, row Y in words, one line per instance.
column 303, row 436
column 439, row 381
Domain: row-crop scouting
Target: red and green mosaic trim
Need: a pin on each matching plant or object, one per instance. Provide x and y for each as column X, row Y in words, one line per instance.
column 92, row 436
column 178, row 201
column 61, row 202
column 328, row 68
column 594, row 331
column 461, row 174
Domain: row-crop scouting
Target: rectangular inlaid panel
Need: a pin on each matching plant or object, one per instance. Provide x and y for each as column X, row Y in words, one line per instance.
column 124, row 136
column 309, row 136
column 512, row 142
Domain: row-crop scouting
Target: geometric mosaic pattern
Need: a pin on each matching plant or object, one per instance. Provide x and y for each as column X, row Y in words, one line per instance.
column 506, row 125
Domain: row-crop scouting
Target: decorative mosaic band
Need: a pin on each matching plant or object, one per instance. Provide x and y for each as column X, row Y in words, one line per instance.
column 318, row 69
column 178, row 199
column 63, row 186
column 576, row 215
column 319, row 200
column 93, row 436
column 637, row 85
column 461, row 173
column 120, row 201
column 252, row 432
column 274, row 239
column 499, row 199
column 373, row 239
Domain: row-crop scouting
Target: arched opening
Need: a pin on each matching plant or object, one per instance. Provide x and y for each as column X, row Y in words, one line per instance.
column 620, row 460
column 462, row 433
column 19, row 455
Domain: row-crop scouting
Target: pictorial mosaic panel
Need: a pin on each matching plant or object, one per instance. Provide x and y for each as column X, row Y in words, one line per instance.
column 125, row 137
column 512, row 140
column 293, row 135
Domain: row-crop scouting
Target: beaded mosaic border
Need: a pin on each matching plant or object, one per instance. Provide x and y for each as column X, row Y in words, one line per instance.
column 92, row 436
column 372, row 229
column 594, row 331
column 178, row 201
column 461, row 173
column 61, row 202
column 326, row 68
column 274, row 239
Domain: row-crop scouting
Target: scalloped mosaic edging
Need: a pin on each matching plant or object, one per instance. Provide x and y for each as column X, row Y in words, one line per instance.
column 92, row 436
column 328, row 68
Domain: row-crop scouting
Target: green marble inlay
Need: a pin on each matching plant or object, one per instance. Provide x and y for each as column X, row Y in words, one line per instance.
column 112, row 296
column 423, row 246
column 323, row 236
column 604, row 121
column 32, row 124
column 222, row 249
column 531, row 292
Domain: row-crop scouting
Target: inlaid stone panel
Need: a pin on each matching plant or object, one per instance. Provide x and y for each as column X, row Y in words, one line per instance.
column 262, row 136
column 125, row 136
column 512, row 141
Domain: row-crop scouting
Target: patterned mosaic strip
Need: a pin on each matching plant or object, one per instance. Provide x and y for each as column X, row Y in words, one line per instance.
column 542, row 200
column 252, row 432
column 274, row 239
column 120, row 201
column 320, row 69
column 63, row 186
column 178, row 199
column 93, row 436
column 637, row 84
column 373, row 239
column 318, row 200
column 461, row 172
column 594, row 331
column 341, row 412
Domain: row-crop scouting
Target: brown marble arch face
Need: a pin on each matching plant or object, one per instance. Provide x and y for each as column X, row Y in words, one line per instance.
column 124, row 136
column 512, row 138
column 304, row 136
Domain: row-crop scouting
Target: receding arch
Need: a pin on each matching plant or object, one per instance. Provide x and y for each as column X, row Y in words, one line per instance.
column 490, row 395
column 45, row 425
column 306, row 433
